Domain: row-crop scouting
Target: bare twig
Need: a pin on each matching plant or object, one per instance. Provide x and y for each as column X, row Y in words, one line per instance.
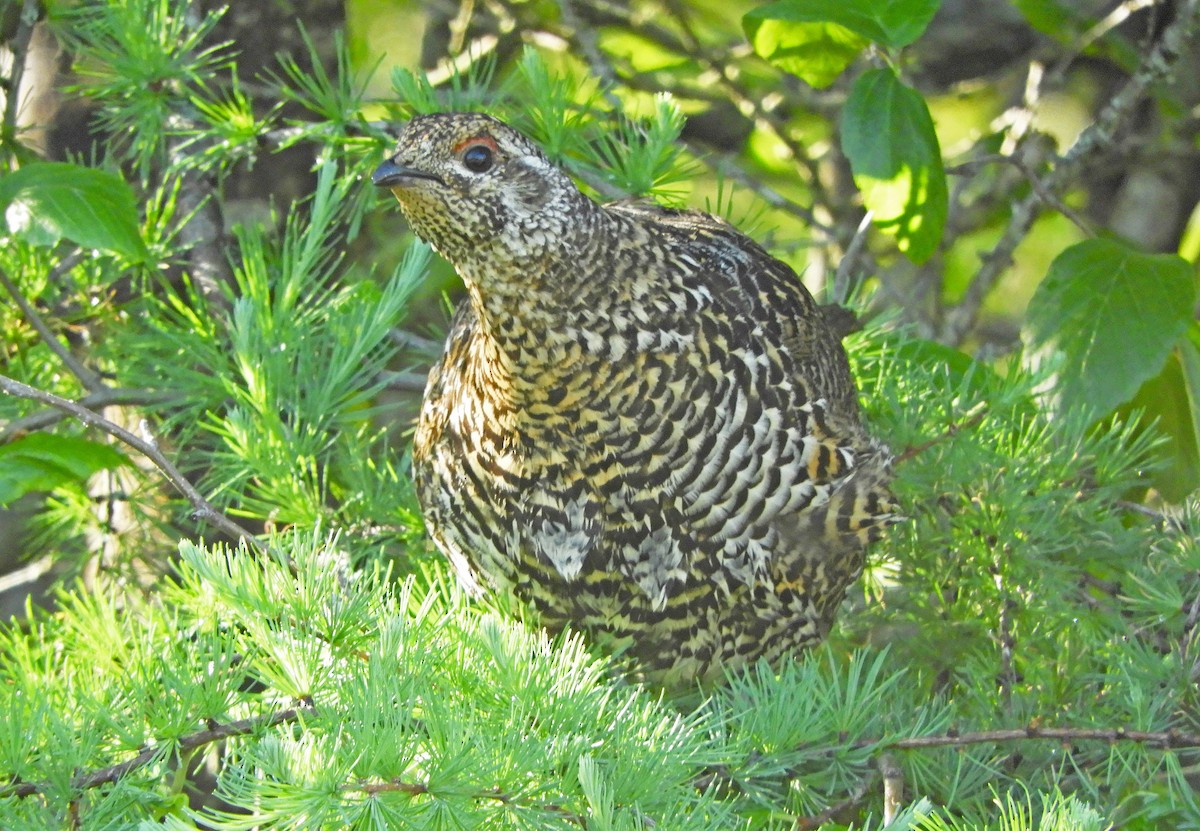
column 200, row 738
column 851, row 802
column 1050, row 199
column 1008, row 642
column 726, row 165
column 750, row 104
column 19, row 47
column 893, row 786
column 585, row 36
column 1102, row 27
column 94, row 401
column 1096, row 138
column 203, row 509
column 1161, row 739
column 90, row 380
column 410, row 340
column 972, row 419
column 420, row 788
column 1193, row 616
column 404, row 381
column 1021, row 118
column 843, row 279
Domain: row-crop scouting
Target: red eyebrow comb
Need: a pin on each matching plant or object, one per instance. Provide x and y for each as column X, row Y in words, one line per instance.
column 486, row 141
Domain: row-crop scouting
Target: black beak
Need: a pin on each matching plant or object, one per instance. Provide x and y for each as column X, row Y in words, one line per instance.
column 391, row 175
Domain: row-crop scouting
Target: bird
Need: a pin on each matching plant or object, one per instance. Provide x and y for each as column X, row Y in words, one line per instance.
column 642, row 426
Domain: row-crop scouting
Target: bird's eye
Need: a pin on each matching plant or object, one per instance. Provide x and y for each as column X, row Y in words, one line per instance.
column 478, row 158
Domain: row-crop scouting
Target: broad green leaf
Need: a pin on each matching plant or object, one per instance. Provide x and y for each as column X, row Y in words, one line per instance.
column 817, row 53
column 48, row 201
column 42, row 462
column 888, row 136
column 1115, row 314
column 1050, row 17
column 1189, row 358
column 1168, row 402
column 817, row 39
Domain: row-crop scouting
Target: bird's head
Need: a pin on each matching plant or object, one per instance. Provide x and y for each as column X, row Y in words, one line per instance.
column 476, row 189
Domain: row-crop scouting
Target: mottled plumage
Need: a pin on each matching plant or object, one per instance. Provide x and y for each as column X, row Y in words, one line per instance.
column 642, row 424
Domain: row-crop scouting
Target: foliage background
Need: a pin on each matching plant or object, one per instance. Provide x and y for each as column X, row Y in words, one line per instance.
column 193, row 254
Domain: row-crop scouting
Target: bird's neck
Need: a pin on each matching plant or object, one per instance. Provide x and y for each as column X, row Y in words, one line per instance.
column 532, row 300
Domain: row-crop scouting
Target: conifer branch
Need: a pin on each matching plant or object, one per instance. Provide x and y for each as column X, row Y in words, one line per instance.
column 972, row 420
column 204, row 510
column 850, row 803
column 494, row 794
column 213, row 733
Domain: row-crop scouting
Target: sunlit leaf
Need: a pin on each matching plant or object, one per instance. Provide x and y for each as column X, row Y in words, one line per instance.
column 43, row 462
column 888, row 136
column 815, row 52
column 45, row 202
column 817, row 39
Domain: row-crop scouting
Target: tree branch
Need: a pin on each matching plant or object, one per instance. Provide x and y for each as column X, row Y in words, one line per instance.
column 1161, row 739
column 112, row 773
column 94, row 401
column 420, row 789
column 19, row 46
column 203, row 509
column 404, row 381
column 1099, row 136
column 813, row 821
column 90, row 380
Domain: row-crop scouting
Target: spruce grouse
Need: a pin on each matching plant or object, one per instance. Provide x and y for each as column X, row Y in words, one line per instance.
column 642, row 424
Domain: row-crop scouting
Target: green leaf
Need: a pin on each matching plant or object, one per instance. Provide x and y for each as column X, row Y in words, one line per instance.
column 1050, row 17
column 1168, row 401
column 817, row 39
column 888, row 136
column 817, row 53
column 43, row 462
column 48, row 201
column 1115, row 314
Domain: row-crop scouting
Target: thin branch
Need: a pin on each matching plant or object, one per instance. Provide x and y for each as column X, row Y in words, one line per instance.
column 843, row 278
column 1193, row 616
column 586, row 37
column 404, row 381
column 748, row 102
column 1008, row 642
column 203, row 509
column 1102, row 27
column 1160, row 739
column 725, row 165
column 420, row 788
column 90, row 380
column 19, row 47
column 410, row 340
column 1051, row 200
column 200, row 738
column 971, row 420
column 94, row 401
column 1099, row 136
column 893, row 786
column 714, row 61
column 856, row 798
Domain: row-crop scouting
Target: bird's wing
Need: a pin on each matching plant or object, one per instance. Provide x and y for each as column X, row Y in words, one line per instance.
column 781, row 467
